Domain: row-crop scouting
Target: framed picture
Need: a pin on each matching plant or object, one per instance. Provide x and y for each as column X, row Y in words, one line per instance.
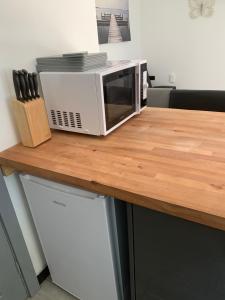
column 113, row 21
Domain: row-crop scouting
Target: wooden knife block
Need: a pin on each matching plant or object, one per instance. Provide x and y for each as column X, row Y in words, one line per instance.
column 32, row 122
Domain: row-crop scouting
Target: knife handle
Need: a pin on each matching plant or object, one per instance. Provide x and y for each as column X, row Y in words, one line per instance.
column 31, row 85
column 22, row 86
column 25, row 73
column 16, row 82
column 35, row 85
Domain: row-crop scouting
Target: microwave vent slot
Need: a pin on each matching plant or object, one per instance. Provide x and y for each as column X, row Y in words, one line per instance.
column 72, row 119
column 78, row 118
column 54, row 121
column 59, row 117
column 66, row 119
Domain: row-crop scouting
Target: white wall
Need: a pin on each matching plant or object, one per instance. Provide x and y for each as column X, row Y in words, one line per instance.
column 132, row 49
column 29, row 29
column 193, row 49
column 115, row 4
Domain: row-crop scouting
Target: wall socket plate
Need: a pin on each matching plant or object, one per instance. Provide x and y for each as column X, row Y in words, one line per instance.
column 172, row 77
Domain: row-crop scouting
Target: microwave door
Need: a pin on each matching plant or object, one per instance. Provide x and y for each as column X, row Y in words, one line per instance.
column 119, row 96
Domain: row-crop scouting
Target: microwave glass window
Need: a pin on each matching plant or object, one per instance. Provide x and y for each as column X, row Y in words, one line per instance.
column 119, row 96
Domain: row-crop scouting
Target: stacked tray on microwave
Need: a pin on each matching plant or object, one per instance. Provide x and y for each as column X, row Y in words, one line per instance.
column 72, row 62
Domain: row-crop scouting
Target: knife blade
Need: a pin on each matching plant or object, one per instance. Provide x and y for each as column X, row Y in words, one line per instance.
column 31, row 85
column 27, row 85
column 35, row 81
column 22, row 86
column 16, row 82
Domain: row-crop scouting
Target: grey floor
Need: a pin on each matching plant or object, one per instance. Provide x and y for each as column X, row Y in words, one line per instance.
column 50, row 291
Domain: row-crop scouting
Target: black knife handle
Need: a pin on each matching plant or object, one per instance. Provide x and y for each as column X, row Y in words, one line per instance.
column 22, row 86
column 25, row 73
column 35, row 85
column 31, row 85
column 16, row 82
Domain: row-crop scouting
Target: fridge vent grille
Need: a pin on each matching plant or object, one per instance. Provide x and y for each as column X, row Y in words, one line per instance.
column 67, row 119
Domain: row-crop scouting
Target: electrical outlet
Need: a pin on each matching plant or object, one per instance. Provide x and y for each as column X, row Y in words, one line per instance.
column 172, row 78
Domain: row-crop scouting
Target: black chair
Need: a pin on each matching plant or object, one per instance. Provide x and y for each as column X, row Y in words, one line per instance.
column 211, row 100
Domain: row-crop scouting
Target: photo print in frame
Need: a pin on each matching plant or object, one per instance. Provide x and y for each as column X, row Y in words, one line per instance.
column 113, row 21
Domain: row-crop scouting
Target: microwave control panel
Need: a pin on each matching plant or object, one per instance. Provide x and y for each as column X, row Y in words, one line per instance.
column 144, row 84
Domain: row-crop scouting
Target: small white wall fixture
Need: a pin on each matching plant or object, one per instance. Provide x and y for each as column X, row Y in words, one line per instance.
column 204, row 8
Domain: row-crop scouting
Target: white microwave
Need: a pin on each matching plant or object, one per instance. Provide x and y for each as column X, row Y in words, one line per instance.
column 97, row 101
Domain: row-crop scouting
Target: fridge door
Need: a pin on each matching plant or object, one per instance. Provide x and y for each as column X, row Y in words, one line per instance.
column 74, row 231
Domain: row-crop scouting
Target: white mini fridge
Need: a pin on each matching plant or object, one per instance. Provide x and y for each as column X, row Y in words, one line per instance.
column 83, row 236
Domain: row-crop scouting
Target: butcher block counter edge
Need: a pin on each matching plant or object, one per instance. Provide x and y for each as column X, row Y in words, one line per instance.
column 165, row 206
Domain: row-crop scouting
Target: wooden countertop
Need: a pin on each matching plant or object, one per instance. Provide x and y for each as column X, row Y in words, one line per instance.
column 171, row 161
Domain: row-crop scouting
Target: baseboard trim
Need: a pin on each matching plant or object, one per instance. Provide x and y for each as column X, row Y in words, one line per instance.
column 43, row 275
